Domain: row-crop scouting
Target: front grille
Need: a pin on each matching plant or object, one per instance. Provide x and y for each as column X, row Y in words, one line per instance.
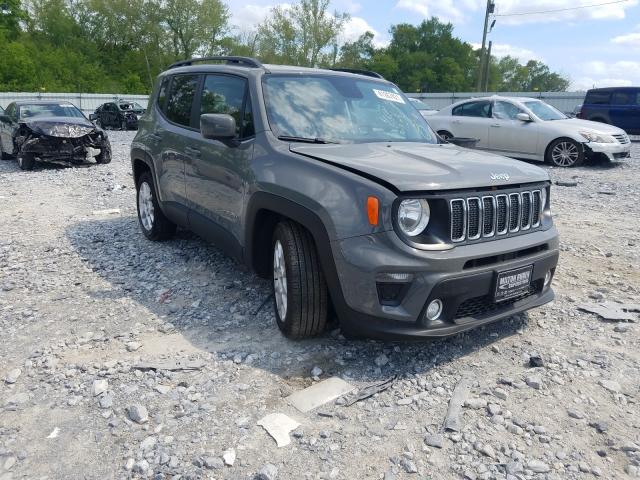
column 622, row 138
column 482, row 217
column 484, row 306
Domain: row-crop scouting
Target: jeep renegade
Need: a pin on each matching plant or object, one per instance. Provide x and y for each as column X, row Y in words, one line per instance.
column 332, row 184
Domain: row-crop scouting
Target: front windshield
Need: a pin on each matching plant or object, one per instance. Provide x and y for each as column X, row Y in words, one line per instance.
column 131, row 106
column 342, row 109
column 50, row 110
column 544, row 111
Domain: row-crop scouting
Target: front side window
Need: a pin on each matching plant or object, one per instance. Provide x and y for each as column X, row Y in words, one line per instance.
column 225, row 94
column 342, row 109
column 473, row 109
column 180, row 101
column 544, row 111
column 623, row 98
column 505, row 111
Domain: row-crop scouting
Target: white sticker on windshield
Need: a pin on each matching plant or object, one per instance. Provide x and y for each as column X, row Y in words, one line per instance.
column 392, row 97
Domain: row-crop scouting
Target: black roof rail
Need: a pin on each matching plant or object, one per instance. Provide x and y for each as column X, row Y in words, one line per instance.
column 230, row 60
column 367, row 73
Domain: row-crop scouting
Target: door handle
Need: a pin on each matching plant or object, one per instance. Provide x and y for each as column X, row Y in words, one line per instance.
column 496, row 125
column 456, row 121
column 194, row 152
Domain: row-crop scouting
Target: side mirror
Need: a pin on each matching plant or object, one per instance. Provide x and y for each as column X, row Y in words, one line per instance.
column 5, row 119
column 93, row 117
column 524, row 117
column 218, row 126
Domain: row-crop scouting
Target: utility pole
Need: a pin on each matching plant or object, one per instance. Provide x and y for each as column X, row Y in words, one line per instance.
column 489, row 11
column 487, row 65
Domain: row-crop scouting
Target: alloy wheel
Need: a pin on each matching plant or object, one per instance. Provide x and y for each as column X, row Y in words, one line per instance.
column 565, row 154
column 280, row 279
column 145, row 206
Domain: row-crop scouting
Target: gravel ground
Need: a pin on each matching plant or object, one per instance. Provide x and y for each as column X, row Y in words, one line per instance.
column 84, row 298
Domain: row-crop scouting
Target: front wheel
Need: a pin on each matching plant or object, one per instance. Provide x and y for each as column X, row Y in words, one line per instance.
column 26, row 160
column 299, row 288
column 104, row 156
column 153, row 223
column 565, row 152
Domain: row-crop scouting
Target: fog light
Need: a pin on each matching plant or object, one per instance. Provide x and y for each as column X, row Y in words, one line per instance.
column 434, row 309
column 547, row 278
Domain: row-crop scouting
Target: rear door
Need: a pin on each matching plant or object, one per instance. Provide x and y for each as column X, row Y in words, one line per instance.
column 625, row 110
column 217, row 173
column 507, row 134
column 172, row 133
column 471, row 120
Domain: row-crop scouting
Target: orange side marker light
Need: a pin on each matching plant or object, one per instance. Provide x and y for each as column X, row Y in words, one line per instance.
column 373, row 207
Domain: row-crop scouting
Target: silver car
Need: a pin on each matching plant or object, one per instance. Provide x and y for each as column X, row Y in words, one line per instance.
column 531, row 129
column 424, row 109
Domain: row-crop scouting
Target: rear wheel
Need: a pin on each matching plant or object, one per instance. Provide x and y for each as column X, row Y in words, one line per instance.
column 26, row 160
column 565, row 152
column 446, row 136
column 299, row 288
column 153, row 223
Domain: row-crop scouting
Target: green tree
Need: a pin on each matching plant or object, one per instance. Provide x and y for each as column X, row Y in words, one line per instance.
column 11, row 15
column 304, row 34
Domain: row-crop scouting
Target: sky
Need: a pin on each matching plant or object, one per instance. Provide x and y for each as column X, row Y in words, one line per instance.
column 597, row 46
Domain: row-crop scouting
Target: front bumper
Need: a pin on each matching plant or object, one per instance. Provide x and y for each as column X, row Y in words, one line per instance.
column 463, row 278
column 64, row 149
column 613, row 151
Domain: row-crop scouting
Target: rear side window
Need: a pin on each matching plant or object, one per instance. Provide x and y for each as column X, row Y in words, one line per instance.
column 598, row 98
column 226, row 95
column 473, row 109
column 180, row 101
column 162, row 93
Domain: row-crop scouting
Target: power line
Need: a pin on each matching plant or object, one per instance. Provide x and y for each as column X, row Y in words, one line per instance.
column 559, row 9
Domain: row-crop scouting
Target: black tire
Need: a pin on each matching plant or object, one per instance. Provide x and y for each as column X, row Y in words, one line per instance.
column 160, row 227
column 574, row 153
column 4, row 155
column 306, row 289
column 104, row 156
column 26, row 161
column 444, row 135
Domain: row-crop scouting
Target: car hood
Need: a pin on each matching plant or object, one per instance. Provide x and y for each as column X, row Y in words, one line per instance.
column 421, row 166
column 64, row 127
column 577, row 124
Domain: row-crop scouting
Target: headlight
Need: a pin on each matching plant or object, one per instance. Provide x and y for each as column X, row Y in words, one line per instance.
column 597, row 137
column 543, row 202
column 413, row 216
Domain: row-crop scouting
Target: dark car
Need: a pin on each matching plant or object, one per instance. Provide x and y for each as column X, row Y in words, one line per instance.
column 334, row 186
column 40, row 130
column 122, row 115
column 618, row 106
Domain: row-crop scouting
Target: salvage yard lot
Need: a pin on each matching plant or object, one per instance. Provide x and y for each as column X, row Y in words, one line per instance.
column 84, row 297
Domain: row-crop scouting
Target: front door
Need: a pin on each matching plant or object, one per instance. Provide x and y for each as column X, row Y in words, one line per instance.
column 508, row 135
column 216, row 172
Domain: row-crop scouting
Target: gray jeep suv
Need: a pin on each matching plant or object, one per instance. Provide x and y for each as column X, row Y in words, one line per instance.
column 332, row 185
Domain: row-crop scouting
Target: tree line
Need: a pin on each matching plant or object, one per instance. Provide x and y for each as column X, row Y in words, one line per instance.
column 104, row 46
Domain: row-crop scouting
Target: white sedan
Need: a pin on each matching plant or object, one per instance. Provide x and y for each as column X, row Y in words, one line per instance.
column 531, row 129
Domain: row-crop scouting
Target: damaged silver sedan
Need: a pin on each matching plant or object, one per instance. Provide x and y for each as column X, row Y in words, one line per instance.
column 50, row 131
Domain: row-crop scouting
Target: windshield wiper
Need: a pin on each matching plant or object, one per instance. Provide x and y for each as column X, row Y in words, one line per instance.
column 288, row 138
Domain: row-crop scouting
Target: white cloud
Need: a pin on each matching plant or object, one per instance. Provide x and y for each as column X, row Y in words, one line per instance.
column 615, row 11
column 607, row 74
column 446, row 10
column 504, row 49
column 355, row 27
column 248, row 17
column 462, row 10
column 631, row 39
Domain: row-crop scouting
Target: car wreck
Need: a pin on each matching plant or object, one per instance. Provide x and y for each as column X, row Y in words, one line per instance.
column 50, row 131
